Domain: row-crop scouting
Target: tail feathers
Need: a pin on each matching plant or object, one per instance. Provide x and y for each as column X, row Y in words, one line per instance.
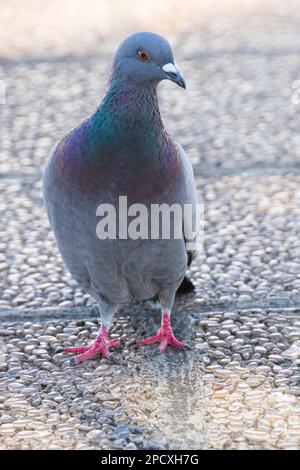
column 186, row 286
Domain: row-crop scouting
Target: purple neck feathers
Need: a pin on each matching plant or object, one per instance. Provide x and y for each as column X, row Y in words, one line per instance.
column 124, row 138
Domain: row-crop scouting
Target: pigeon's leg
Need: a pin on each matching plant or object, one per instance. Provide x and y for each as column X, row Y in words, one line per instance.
column 101, row 344
column 165, row 334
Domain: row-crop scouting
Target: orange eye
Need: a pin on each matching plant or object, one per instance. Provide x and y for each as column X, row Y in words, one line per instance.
column 142, row 55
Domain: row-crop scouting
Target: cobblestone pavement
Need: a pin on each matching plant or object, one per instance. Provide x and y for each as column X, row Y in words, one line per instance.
column 238, row 121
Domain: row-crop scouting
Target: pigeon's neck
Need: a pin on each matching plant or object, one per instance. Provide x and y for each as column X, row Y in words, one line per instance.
column 128, row 123
column 128, row 133
column 131, row 106
column 123, row 141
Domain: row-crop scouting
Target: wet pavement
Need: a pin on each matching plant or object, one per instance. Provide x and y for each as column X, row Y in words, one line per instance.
column 240, row 388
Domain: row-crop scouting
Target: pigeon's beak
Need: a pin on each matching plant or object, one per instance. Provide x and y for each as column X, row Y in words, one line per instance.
column 173, row 74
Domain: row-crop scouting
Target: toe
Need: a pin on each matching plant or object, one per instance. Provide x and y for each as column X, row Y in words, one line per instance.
column 114, row 343
column 89, row 354
column 187, row 347
column 150, row 340
column 77, row 350
column 163, row 345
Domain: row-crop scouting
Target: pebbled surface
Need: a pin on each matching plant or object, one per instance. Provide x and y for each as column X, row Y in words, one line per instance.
column 238, row 121
column 235, row 391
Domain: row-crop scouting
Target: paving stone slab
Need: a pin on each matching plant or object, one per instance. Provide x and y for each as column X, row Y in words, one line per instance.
column 235, row 391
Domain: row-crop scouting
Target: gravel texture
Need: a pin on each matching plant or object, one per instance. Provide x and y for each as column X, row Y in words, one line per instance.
column 238, row 121
column 239, row 389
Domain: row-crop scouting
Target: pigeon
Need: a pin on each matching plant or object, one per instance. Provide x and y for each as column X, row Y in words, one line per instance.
column 123, row 149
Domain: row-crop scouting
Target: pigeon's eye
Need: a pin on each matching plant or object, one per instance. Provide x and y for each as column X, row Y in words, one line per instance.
column 142, row 55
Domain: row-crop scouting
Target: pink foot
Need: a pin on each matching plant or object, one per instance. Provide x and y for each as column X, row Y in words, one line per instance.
column 164, row 336
column 100, row 346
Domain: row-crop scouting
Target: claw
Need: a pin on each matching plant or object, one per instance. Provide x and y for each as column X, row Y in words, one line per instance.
column 114, row 343
column 156, row 352
column 189, row 348
column 73, row 361
column 113, row 360
column 77, row 350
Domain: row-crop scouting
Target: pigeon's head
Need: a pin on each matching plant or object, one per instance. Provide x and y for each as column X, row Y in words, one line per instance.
column 146, row 58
